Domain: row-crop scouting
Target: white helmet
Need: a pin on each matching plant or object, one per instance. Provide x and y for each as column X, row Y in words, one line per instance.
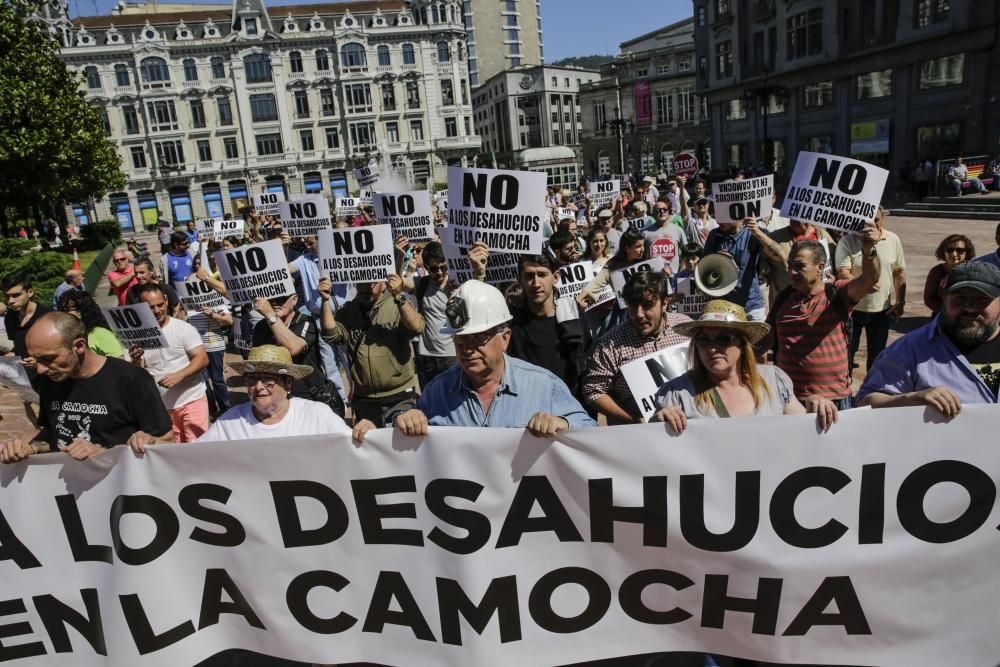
column 475, row 307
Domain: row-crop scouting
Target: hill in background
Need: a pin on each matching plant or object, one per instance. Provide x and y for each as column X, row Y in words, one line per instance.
column 587, row 62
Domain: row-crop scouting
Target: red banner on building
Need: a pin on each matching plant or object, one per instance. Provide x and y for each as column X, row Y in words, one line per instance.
column 643, row 104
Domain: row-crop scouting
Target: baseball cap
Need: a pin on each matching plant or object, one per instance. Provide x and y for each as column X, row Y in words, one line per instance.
column 647, row 179
column 982, row 276
column 700, row 200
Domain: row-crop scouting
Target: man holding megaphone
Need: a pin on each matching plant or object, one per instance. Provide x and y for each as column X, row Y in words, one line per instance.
column 735, row 248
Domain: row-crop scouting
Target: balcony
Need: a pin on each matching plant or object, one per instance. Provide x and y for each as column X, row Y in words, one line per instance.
column 268, row 159
column 232, row 163
column 296, row 75
column 334, row 154
column 458, row 142
column 125, row 90
column 396, row 147
column 383, row 69
column 408, row 66
column 420, row 145
column 192, row 84
column 763, row 10
column 445, row 68
column 143, row 174
column 214, row 82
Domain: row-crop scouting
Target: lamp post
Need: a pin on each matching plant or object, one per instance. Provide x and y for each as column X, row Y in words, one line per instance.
column 760, row 96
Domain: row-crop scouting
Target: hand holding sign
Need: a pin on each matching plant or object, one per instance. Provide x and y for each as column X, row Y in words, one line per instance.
column 835, row 192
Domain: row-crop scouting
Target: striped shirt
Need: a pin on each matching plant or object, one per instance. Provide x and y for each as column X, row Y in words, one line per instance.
column 812, row 343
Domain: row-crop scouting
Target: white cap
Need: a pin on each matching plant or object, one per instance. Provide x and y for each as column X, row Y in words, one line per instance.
column 475, row 307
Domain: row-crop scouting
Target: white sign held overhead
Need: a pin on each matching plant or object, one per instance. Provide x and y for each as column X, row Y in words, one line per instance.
column 621, row 276
column 225, row 228
column 135, row 325
column 694, row 301
column 198, row 294
column 645, row 376
column 305, row 216
column 637, row 223
column 14, row 378
column 408, row 213
column 205, row 227
column 604, row 193
column 747, row 198
column 255, row 270
column 501, row 208
column 267, row 202
column 366, row 197
column 501, row 267
column 834, row 192
column 573, row 278
column 367, row 175
column 347, row 207
column 357, row 254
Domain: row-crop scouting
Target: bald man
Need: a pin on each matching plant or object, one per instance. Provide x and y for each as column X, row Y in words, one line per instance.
column 88, row 402
column 72, row 279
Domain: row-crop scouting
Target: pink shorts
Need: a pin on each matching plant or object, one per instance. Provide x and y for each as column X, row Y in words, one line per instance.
column 190, row 420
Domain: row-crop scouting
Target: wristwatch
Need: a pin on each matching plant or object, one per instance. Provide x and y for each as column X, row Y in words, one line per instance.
column 400, row 300
column 271, row 319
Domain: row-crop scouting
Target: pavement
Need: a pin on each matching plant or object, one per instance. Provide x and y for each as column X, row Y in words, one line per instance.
column 920, row 237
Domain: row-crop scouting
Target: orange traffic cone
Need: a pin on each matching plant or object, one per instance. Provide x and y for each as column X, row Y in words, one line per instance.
column 76, row 260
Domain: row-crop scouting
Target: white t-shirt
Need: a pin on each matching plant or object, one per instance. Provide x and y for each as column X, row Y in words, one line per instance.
column 181, row 339
column 304, row 417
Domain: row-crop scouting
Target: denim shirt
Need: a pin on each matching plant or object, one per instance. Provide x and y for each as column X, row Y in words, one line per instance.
column 922, row 359
column 525, row 389
column 746, row 251
column 308, row 267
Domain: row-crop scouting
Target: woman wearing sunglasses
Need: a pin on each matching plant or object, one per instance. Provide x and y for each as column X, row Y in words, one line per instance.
column 952, row 251
column 725, row 379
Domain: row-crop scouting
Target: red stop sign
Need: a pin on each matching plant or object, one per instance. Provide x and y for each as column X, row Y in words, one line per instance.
column 685, row 165
column 663, row 247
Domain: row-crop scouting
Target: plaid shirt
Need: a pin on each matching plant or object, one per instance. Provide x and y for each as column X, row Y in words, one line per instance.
column 618, row 347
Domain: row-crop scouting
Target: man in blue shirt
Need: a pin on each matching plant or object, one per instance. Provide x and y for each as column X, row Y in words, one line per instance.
column 177, row 264
column 992, row 257
column 486, row 387
column 954, row 359
column 743, row 243
column 191, row 232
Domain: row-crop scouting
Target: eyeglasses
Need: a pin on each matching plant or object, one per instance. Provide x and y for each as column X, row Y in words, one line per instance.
column 267, row 381
column 959, row 250
column 438, row 268
column 417, row 251
column 723, row 341
column 661, row 209
column 469, row 341
column 121, row 259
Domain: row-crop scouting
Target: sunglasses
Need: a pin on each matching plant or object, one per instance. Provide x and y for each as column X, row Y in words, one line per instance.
column 469, row 341
column 723, row 341
column 961, row 251
column 440, row 268
column 267, row 380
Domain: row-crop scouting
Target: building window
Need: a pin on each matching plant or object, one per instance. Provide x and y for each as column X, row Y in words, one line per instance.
column 805, row 34
column 701, row 17
column 190, row 70
column 154, row 70
column 392, row 132
column 302, row 103
column 515, row 61
column 820, row 144
column 353, row 55
column 121, row 75
column 450, row 127
column 468, row 126
column 737, row 154
column 515, row 49
column 447, row 93
column 443, row 52
column 218, row 68
column 197, row 113
column 684, row 65
column 408, row 56
column 416, row 130
column 322, row 60
column 332, row 137
column 873, row 85
column 105, row 122
column 263, row 107
column 724, row 59
column 555, row 137
column 926, row 12
column 599, row 115
column 232, row 149
column 306, row 141
column 162, row 115
column 412, row 95
column 204, row 150
column 131, row 119
column 817, row 95
column 721, row 9
column 358, row 98
column 170, row 153
column 269, row 144
column 362, row 135
column 326, row 105
column 685, row 101
column 735, row 110
column 465, row 91
column 258, row 68
column 941, row 140
column 388, row 97
column 295, row 62
column 384, row 60
column 138, row 157
column 225, row 111
column 942, row 72
column 250, row 26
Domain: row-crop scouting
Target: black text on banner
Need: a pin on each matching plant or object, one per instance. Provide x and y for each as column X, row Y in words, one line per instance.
column 747, row 198
column 267, row 202
column 408, row 213
column 256, row 270
column 305, row 215
column 621, row 276
column 835, row 192
column 357, row 254
column 501, row 208
column 136, row 325
column 198, row 294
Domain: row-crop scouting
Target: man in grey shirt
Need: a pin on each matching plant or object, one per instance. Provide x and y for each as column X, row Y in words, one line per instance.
column 435, row 350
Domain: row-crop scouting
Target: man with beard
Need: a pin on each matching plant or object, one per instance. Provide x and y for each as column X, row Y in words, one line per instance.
column 953, row 359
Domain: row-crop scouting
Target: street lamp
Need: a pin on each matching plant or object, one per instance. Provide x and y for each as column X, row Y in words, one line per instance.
column 760, row 96
column 618, row 124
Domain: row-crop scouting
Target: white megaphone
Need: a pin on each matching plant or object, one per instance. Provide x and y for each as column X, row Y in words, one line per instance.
column 716, row 274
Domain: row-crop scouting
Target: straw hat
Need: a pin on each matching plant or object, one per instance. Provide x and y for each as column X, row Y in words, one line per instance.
column 272, row 359
column 724, row 315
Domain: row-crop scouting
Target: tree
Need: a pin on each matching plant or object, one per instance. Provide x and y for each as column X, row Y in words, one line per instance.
column 52, row 143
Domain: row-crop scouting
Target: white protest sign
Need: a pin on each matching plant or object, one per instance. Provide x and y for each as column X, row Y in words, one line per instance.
column 357, row 254
column 206, row 228
column 573, row 278
column 135, row 325
column 694, row 301
column 198, row 294
column 367, row 175
column 224, row 228
column 366, row 197
column 622, row 179
column 835, row 192
column 746, row 198
column 501, row 267
column 604, row 193
column 267, row 202
column 255, row 270
column 757, row 538
column 441, row 202
column 347, row 207
column 501, row 208
column 14, row 377
column 621, row 276
column 644, row 376
column 637, row 223
column 408, row 213
column 305, row 215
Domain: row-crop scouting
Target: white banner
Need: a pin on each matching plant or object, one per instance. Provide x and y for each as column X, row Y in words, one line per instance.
column 834, row 192
column 357, row 254
column 409, row 213
column 604, row 193
column 267, row 203
column 573, row 278
column 206, row 228
column 366, row 197
column 501, row 208
column 347, row 207
column 874, row 544
column 501, row 267
column 694, row 301
column 646, row 375
column 621, row 276
column 198, row 294
column 747, row 198
column 135, row 325
column 637, row 223
column 367, row 175
column 224, row 228
column 305, row 215
column 258, row 269
column 14, row 378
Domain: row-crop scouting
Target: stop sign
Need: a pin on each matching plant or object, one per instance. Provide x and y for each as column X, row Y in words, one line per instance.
column 685, row 165
column 664, row 247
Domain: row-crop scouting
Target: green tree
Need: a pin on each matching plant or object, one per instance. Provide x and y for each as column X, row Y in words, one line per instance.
column 52, row 143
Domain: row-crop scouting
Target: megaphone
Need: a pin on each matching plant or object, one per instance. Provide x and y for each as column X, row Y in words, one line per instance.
column 716, row 274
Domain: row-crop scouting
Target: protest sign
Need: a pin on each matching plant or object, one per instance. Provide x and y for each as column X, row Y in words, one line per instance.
column 408, row 213
column 501, row 267
column 747, row 198
column 665, row 246
column 501, row 208
column 579, row 199
column 305, row 215
column 367, row 175
column 623, row 180
column 366, row 197
column 834, row 192
column 604, row 193
column 347, row 207
column 198, row 294
column 357, row 254
column 255, row 270
column 206, row 228
column 758, row 538
column 685, row 165
column 135, row 325
column 637, row 223
column 621, row 276
column 14, row 378
column 646, row 375
column 224, row 228
column 267, row 203
column 694, row 300
column 573, row 278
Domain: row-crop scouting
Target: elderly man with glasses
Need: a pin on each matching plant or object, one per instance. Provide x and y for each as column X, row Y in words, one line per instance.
column 122, row 275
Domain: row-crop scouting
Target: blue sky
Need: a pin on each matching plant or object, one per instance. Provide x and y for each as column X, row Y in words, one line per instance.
column 571, row 27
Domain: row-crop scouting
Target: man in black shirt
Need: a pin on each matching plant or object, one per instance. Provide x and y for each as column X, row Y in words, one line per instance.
column 88, row 402
column 22, row 313
column 284, row 325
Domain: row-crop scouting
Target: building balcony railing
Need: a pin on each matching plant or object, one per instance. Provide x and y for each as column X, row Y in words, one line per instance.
column 396, row 147
column 334, row 154
column 409, row 66
column 381, row 69
column 219, row 82
column 232, row 163
column 125, row 90
column 445, row 68
column 458, row 142
column 140, row 174
column 420, row 145
column 268, row 159
column 296, row 75
column 191, row 84
column 764, row 10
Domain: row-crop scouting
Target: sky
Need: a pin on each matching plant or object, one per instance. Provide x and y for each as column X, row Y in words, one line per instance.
column 570, row 27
